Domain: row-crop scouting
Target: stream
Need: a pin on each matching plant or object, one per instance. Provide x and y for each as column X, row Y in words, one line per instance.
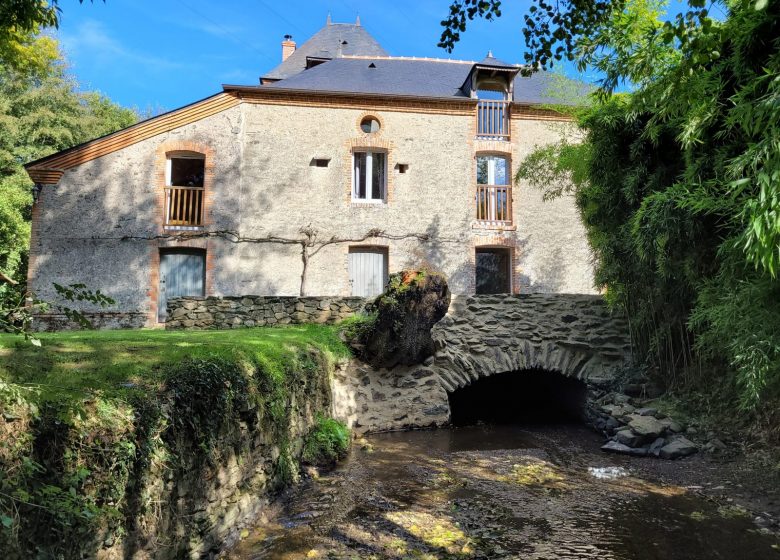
column 520, row 492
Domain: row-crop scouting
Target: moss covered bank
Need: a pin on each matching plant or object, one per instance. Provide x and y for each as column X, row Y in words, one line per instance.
column 153, row 444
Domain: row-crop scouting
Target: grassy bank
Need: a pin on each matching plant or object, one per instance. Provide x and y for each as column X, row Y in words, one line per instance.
column 93, row 424
column 123, row 362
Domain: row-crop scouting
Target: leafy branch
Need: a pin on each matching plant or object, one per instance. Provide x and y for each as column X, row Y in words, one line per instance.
column 18, row 309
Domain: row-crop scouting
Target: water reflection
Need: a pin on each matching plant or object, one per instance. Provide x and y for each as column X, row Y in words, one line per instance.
column 502, row 492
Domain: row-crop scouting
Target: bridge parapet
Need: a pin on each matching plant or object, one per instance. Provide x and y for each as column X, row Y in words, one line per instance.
column 573, row 334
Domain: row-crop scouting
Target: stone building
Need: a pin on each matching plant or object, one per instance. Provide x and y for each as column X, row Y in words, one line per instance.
column 379, row 162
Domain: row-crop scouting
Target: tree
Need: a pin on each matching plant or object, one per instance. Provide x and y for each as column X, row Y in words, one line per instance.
column 21, row 22
column 678, row 184
column 41, row 113
column 622, row 38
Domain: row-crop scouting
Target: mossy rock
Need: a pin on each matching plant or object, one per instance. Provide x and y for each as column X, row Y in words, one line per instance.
column 413, row 302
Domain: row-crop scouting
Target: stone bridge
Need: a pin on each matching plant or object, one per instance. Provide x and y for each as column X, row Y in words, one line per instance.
column 482, row 335
column 572, row 334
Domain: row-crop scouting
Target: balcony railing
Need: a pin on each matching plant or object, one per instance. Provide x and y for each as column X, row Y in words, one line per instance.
column 493, row 119
column 494, row 204
column 184, row 206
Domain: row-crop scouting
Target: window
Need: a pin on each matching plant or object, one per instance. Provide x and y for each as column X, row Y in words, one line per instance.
column 494, row 193
column 184, row 176
column 186, row 171
column 369, row 177
column 369, row 125
column 493, row 271
column 492, row 170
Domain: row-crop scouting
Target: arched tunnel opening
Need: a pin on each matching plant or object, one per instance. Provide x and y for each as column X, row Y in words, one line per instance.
column 530, row 396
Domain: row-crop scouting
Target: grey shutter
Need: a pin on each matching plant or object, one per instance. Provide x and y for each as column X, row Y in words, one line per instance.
column 367, row 271
column 182, row 273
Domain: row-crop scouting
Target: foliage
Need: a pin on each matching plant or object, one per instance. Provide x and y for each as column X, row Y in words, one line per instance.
column 18, row 308
column 113, row 412
column 41, row 112
column 326, row 443
column 358, row 326
column 622, row 38
column 20, row 23
column 413, row 301
column 678, row 185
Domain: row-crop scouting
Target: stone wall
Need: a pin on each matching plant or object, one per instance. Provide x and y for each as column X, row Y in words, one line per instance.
column 573, row 334
column 102, row 224
column 104, row 320
column 257, row 311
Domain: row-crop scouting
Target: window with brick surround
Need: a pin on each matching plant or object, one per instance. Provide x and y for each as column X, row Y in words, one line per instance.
column 369, row 177
column 184, row 196
column 494, row 191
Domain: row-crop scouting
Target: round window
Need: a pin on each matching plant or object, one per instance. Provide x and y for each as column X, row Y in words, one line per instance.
column 369, row 125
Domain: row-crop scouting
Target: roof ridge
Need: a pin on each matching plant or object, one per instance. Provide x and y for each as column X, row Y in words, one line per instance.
column 422, row 58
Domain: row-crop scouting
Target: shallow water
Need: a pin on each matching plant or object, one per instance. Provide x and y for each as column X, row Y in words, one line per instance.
column 502, row 492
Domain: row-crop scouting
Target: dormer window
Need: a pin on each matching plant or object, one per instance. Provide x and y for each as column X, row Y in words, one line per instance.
column 491, row 82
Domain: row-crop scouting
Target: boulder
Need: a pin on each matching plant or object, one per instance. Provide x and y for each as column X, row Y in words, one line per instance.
column 646, row 411
column 646, row 426
column 679, row 447
column 627, row 437
column 671, row 425
column 615, row 447
column 412, row 303
column 655, row 447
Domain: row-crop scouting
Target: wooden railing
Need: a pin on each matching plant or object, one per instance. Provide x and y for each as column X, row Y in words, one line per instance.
column 494, row 204
column 183, row 206
column 493, row 119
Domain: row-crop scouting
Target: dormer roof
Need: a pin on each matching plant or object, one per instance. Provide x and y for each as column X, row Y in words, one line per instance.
column 492, row 63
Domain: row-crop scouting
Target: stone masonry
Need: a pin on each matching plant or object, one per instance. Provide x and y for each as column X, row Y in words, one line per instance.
column 481, row 335
column 102, row 224
column 257, row 311
column 573, row 334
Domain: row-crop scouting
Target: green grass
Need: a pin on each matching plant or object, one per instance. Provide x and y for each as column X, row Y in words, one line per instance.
column 117, row 363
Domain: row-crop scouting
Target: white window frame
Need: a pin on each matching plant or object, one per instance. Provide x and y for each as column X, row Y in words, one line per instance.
column 168, row 180
column 492, row 159
column 369, row 177
column 178, row 155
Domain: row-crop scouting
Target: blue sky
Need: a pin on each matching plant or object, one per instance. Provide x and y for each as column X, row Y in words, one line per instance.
column 167, row 53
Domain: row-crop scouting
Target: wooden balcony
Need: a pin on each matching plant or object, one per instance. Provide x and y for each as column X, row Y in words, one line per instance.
column 183, row 206
column 493, row 119
column 494, row 205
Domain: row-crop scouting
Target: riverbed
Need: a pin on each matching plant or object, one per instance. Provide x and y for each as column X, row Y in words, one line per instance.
column 519, row 492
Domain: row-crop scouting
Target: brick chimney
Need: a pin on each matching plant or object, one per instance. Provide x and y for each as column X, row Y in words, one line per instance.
column 288, row 47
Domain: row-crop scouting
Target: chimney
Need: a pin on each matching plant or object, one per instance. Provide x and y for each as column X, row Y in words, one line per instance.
column 288, row 47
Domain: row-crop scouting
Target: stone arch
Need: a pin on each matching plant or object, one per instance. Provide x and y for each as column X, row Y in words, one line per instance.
column 459, row 370
column 574, row 335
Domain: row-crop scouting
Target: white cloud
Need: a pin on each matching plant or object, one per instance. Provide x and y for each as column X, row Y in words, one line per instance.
column 92, row 39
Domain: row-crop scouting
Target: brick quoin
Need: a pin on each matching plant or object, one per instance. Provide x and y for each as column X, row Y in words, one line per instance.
column 161, row 157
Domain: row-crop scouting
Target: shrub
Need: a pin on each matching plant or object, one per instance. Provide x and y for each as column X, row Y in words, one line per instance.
column 326, row 443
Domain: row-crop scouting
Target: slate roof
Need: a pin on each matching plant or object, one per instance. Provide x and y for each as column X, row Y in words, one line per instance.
column 393, row 76
column 419, row 78
column 332, row 41
column 492, row 62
